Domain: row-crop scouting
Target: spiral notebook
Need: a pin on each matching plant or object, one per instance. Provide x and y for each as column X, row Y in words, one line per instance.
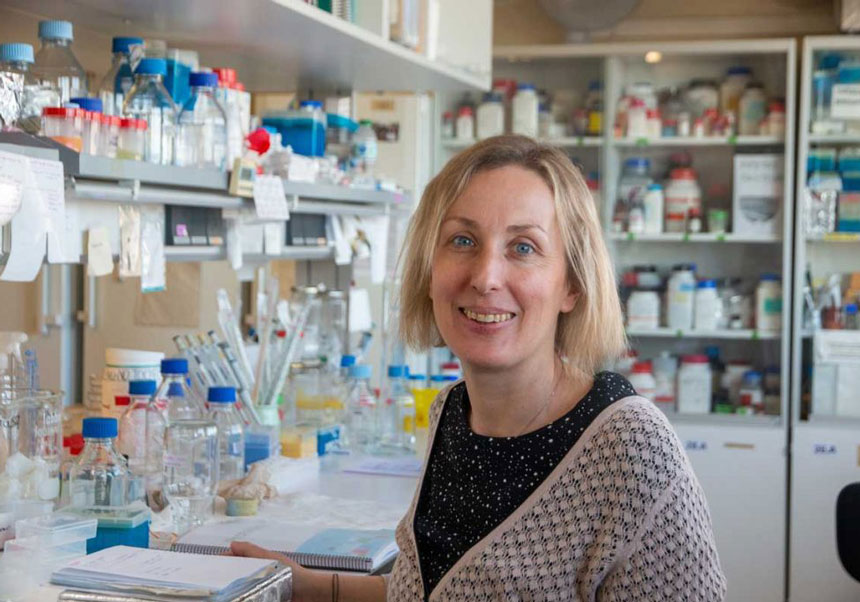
column 357, row 550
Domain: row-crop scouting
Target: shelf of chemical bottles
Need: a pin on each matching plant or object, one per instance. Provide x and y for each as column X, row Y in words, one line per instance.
column 273, row 44
column 835, row 237
column 698, row 237
column 213, row 253
column 690, row 141
column 680, row 333
column 716, row 418
column 841, row 138
column 566, row 143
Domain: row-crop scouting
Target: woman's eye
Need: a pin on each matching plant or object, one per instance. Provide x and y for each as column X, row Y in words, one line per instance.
column 524, row 248
column 462, row 241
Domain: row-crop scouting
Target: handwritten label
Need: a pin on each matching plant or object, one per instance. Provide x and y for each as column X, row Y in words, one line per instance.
column 845, row 101
column 824, row 449
column 270, row 202
column 695, row 445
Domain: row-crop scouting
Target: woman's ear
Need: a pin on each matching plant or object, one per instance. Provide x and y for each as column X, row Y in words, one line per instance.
column 569, row 301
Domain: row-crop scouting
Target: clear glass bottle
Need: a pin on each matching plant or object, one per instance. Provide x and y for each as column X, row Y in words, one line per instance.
column 25, row 95
column 101, row 476
column 190, row 471
column 360, row 409
column 120, row 78
column 55, row 64
column 202, row 137
column 231, row 432
column 173, row 393
column 141, row 434
column 149, row 100
column 397, row 412
column 364, row 153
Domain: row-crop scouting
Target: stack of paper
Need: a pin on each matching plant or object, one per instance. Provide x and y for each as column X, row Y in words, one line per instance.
column 163, row 573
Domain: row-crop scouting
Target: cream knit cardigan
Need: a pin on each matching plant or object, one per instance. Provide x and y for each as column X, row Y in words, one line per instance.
column 622, row 517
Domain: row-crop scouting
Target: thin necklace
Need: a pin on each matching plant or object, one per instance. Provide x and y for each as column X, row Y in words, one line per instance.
column 541, row 410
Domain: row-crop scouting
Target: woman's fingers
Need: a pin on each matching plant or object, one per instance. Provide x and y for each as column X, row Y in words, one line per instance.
column 246, row 548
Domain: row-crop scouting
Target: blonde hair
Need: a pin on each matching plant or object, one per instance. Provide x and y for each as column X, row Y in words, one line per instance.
column 590, row 335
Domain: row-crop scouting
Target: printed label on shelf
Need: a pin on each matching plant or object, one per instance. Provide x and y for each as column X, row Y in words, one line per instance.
column 695, row 445
column 270, row 201
column 824, row 449
column 845, row 101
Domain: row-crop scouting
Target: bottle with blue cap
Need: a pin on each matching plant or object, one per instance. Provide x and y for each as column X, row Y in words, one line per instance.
column 365, row 150
column 141, row 434
column 231, row 432
column 175, row 394
column 360, row 419
column 524, row 111
column 202, row 138
column 709, row 306
column 149, row 100
column 24, row 95
column 101, row 476
column 55, row 63
column 127, row 51
column 396, row 413
column 632, row 189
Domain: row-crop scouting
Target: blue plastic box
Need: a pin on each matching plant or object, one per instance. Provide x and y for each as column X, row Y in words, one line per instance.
column 116, row 527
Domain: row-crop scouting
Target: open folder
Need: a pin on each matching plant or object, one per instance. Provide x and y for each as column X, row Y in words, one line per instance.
column 334, row 549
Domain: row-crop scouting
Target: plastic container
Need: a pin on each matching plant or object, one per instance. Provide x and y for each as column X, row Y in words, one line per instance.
column 131, row 139
column 100, row 477
column 465, row 125
column 65, row 126
column 397, row 413
column 709, row 306
column 701, row 96
column 752, row 109
column 115, row 526
column 202, row 138
column 56, row 529
column 525, row 111
column 180, row 65
column 632, row 188
column 665, row 375
column 694, row 385
column 643, row 310
column 643, row 91
column 149, row 100
column 751, row 394
column 25, row 96
column 229, row 99
column 141, row 438
column 360, row 428
column 594, row 108
column 191, row 471
column 491, row 116
column 653, row 204
column 642, row 380
column 304, row 129
column 733, row 87
column 55, row 63
column 768, row 302
column 365, row 151
column 119, row 78
column 231, row 433
column 91, row 131
column 448, row 125
column 682, row 195
column 680, row 297
column 637, row 119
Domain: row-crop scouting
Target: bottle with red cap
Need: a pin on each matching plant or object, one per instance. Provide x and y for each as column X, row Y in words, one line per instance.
column 465, row 128
column 642, row 379
column 228, row 97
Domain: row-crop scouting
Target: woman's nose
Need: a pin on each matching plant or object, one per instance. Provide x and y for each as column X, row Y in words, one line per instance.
column 487, row 272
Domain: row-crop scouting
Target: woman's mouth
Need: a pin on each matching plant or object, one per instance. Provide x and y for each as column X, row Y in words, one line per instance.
column 487, row 318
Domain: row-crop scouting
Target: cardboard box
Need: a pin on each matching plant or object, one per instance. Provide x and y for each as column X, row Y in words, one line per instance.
column 757, row 194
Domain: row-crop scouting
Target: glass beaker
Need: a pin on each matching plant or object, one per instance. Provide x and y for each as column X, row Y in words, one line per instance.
column 190, row 471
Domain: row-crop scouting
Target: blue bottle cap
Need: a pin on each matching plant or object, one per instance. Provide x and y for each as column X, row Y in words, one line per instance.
column 124, row 43
column 594, row 85
column 19, row 53
column 417, row 377
column 655, row 186
column 438, row 378
column 752, row 375
column 712, row 351
column 830, row 61
column 686, row 267
column 739, row 70
column 637, row 163
column 221, row 395
column 99, row 427
column 150, row 66
column 851, row 309
column 525, row 87
column 347, row 360
column 55, row 30
column 142, row 387
column 707, row 284
column 174, row 365
column 175, row 390
column 492, row 97
column 203, row 78
column 361, row 371
column 314, row 104
column 397, row 371
column 770, row 277
column 88, row 104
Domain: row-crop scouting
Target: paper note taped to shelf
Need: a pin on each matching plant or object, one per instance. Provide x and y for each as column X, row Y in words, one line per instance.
column 845, row 101
column 49, row 184
column 270, row 201
column 99, row 256
column 29, row 224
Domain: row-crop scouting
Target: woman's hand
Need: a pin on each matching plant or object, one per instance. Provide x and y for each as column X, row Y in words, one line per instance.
column 306, row 583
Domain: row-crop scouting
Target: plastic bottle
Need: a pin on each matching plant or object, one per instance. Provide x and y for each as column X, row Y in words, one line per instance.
column 228, row 98
column 708, row 306
column 682, row 195
column 100, row 477
column 653, row 204
column 231, row 433
column 364, row 151
column 149, row 100
column 397, row 412
column 594, row 107
column 91, row 132
column 643, row 310
column 768, row 303
column 665, row 373
column 733, row 87
column 55, row 64
column 491, row 116
column 119, row 78
column 360, row 409
column 751, row 394
column 173, row 392
column 752, row 109
column 202, row 133
column 643, row 381
column 30, row 94
column 680, row 299
column 694, row 385
column 525, row 111
column 141, row 435
column 632, row 188
column 465, row 124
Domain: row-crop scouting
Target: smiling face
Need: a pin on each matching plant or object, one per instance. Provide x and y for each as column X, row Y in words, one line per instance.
column 498, row 280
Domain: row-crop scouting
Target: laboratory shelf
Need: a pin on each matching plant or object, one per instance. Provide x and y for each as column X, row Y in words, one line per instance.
column 211, row 253
column 839, row 237
column 118, row 170
column 741, row 335
column 734, row 420
column 566, row 142
column 689, row 141
column 843, row 138
column 342, row 194
column 700, row 237
column 273, row 44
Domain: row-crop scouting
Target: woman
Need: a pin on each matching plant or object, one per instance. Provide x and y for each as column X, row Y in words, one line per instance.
column 545, row 479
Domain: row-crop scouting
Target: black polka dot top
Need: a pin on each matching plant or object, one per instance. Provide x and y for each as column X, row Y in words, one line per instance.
column 473, row 483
